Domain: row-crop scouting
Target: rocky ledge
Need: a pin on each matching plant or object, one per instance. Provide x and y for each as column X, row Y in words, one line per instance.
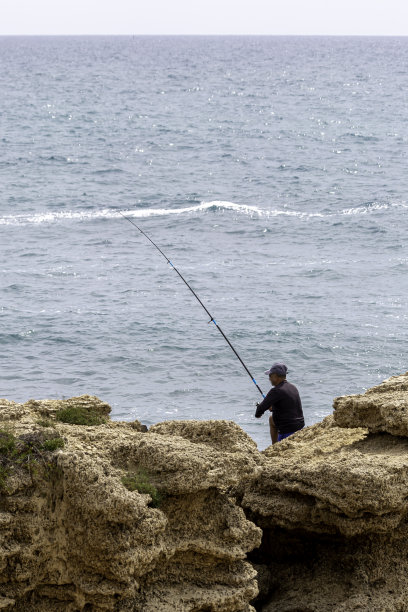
column 189, row 516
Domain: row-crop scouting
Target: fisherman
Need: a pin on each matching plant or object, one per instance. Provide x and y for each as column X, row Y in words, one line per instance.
column 283, row 401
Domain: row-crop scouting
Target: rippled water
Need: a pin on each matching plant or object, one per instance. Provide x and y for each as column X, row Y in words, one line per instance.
column 271, row 171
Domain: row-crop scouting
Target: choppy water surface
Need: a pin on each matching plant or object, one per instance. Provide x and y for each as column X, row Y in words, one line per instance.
column 271, row 171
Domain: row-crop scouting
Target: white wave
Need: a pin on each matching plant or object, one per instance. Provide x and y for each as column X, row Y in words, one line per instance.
column 105, row 213
column 364, row 210
column 244, row 209
column 262, row 212
column 373, row 207
column 53, row 217
column 110, row 213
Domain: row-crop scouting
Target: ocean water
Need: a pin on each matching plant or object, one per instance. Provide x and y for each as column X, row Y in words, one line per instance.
column 272, row 171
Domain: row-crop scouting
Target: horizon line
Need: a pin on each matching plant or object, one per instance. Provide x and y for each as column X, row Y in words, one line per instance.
column 207, row 35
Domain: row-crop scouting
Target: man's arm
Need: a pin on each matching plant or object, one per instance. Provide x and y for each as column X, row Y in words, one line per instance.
column 264, row 405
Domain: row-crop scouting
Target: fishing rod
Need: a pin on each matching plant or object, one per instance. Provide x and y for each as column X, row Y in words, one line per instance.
column 212, row 320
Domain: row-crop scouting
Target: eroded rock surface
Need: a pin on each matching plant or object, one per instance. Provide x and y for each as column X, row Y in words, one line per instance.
column 382, row 408
column 327, row 479
column 332, row 502
column 73, row 537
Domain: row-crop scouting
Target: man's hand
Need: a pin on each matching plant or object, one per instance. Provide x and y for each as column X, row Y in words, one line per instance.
column 258, row 413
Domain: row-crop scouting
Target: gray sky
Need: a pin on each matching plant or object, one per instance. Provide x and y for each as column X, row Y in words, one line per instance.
column 375, row 17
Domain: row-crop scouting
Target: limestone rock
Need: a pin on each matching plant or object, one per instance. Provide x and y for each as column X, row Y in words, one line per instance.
column 328, row 479
column 336, row 574
column 382, row 408
column 332, row 503
column 73, row 537
column 220, row 451
column 47, row 408
column 10, row 410
column 224, row 436
column 138, row 426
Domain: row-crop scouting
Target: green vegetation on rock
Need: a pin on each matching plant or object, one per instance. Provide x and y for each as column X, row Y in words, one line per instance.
column 139, row 481
column 53, row 444
column 29, row 452
column 45, row 423
column 7, row 442
column 79, row 415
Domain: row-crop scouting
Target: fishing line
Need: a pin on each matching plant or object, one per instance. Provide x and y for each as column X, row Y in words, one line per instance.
column 212, row 320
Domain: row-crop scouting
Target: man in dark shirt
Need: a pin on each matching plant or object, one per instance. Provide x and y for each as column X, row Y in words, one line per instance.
column 283, row 401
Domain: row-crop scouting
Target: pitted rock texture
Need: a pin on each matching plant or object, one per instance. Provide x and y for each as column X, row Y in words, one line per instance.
column 74, row 538
column 327, row 479
column 336, row 574
column 331, row 502
column 382, row 408
column 223, row 445
column 333, row 505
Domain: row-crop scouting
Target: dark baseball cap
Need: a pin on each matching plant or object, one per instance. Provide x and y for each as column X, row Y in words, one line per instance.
column 278, row 368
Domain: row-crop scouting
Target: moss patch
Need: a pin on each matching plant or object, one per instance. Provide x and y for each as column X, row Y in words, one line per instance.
column 78, row 415
column 45, row 423
column 140, row 481
column 7, row 442
column 53, row 444
column 30, row 452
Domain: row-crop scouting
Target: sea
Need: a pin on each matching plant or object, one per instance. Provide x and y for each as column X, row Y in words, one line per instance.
column 270, row 171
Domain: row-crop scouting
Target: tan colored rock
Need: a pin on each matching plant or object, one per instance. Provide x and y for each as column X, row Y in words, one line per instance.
column 220, row 451
column 327, row 479
column 332, row 502
column 10, row 410
column 303, row 482
column 48, row 408
column 224, row 436
column 382, row 408
column 333, row 479
column 320, row 574
column 73, row 537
